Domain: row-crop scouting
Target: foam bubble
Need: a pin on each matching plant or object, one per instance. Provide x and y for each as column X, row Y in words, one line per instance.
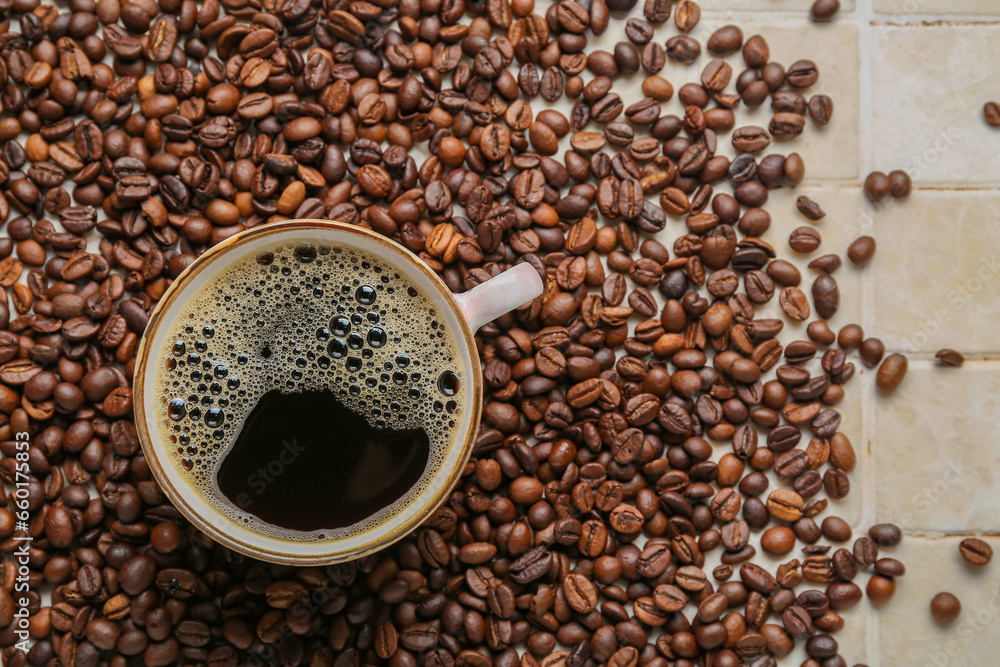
column 304, row 317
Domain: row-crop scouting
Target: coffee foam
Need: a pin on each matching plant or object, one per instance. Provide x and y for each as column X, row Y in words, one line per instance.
column 264, row 323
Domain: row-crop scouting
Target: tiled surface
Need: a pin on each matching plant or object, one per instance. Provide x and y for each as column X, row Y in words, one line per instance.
column 943, row 247
column 929, row 84
column 910, row 636
column 936, row 450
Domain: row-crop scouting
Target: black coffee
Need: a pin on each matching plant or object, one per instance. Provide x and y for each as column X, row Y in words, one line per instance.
column 306, row 462
column 310, row 392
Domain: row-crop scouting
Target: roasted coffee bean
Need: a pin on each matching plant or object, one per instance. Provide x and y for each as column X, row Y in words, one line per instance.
column 865, row 551
column 683, row 49
column 727, row 39
column 890, row 373
column 991, row 111
column 877, row 187
column 802, row 74
column 809, row 209
column 886, row 535
column 945, row 608
column 880, row 589
column 778, row 540
column 976, row 551
column 950, row 358
column 826, row 296
column 861, row 250
column 804, row 240
column 824, row 10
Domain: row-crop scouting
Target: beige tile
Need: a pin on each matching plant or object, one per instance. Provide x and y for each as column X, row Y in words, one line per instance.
column 937, row 269
column 936, row 449
column 915, row 7
column 909, row 635
column 928, row 90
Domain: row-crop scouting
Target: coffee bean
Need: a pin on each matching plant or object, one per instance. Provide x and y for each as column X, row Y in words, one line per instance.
column 886, row 535
column 871, row 352
column 991, row 111
column 727, row 39
column 810, row 209
column 581, row 594
column 950, row 358
column 795, row 304
column 880, row 590
column 899, row 184
column 865, row 551
column 786, row 125
column 976, row 551
column 877, row 187
column 687, row 13
column 802, row 74
column 756, row 52
column 785, row 504
column 890, row 373
column 826, row 296
column 778, row 540
column 861, row 250
column 945, row 608
column 757, row 578
column 750, row 139
column 824, row 10
column 804, row 239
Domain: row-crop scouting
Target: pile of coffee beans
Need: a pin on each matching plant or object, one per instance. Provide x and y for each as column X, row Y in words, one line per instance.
column 641, row 419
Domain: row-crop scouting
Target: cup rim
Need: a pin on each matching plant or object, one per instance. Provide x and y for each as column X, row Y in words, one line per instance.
column 176, row 496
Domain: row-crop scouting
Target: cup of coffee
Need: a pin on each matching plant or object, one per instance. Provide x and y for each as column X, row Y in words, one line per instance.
column 309, row 392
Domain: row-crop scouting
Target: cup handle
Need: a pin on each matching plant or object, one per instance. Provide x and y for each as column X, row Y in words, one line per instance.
column 512, row 288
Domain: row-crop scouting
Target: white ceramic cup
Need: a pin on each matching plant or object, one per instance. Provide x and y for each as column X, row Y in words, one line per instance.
column 462, row 314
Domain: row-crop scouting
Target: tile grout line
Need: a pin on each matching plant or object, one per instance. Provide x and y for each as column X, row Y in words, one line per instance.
column 869, row 488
